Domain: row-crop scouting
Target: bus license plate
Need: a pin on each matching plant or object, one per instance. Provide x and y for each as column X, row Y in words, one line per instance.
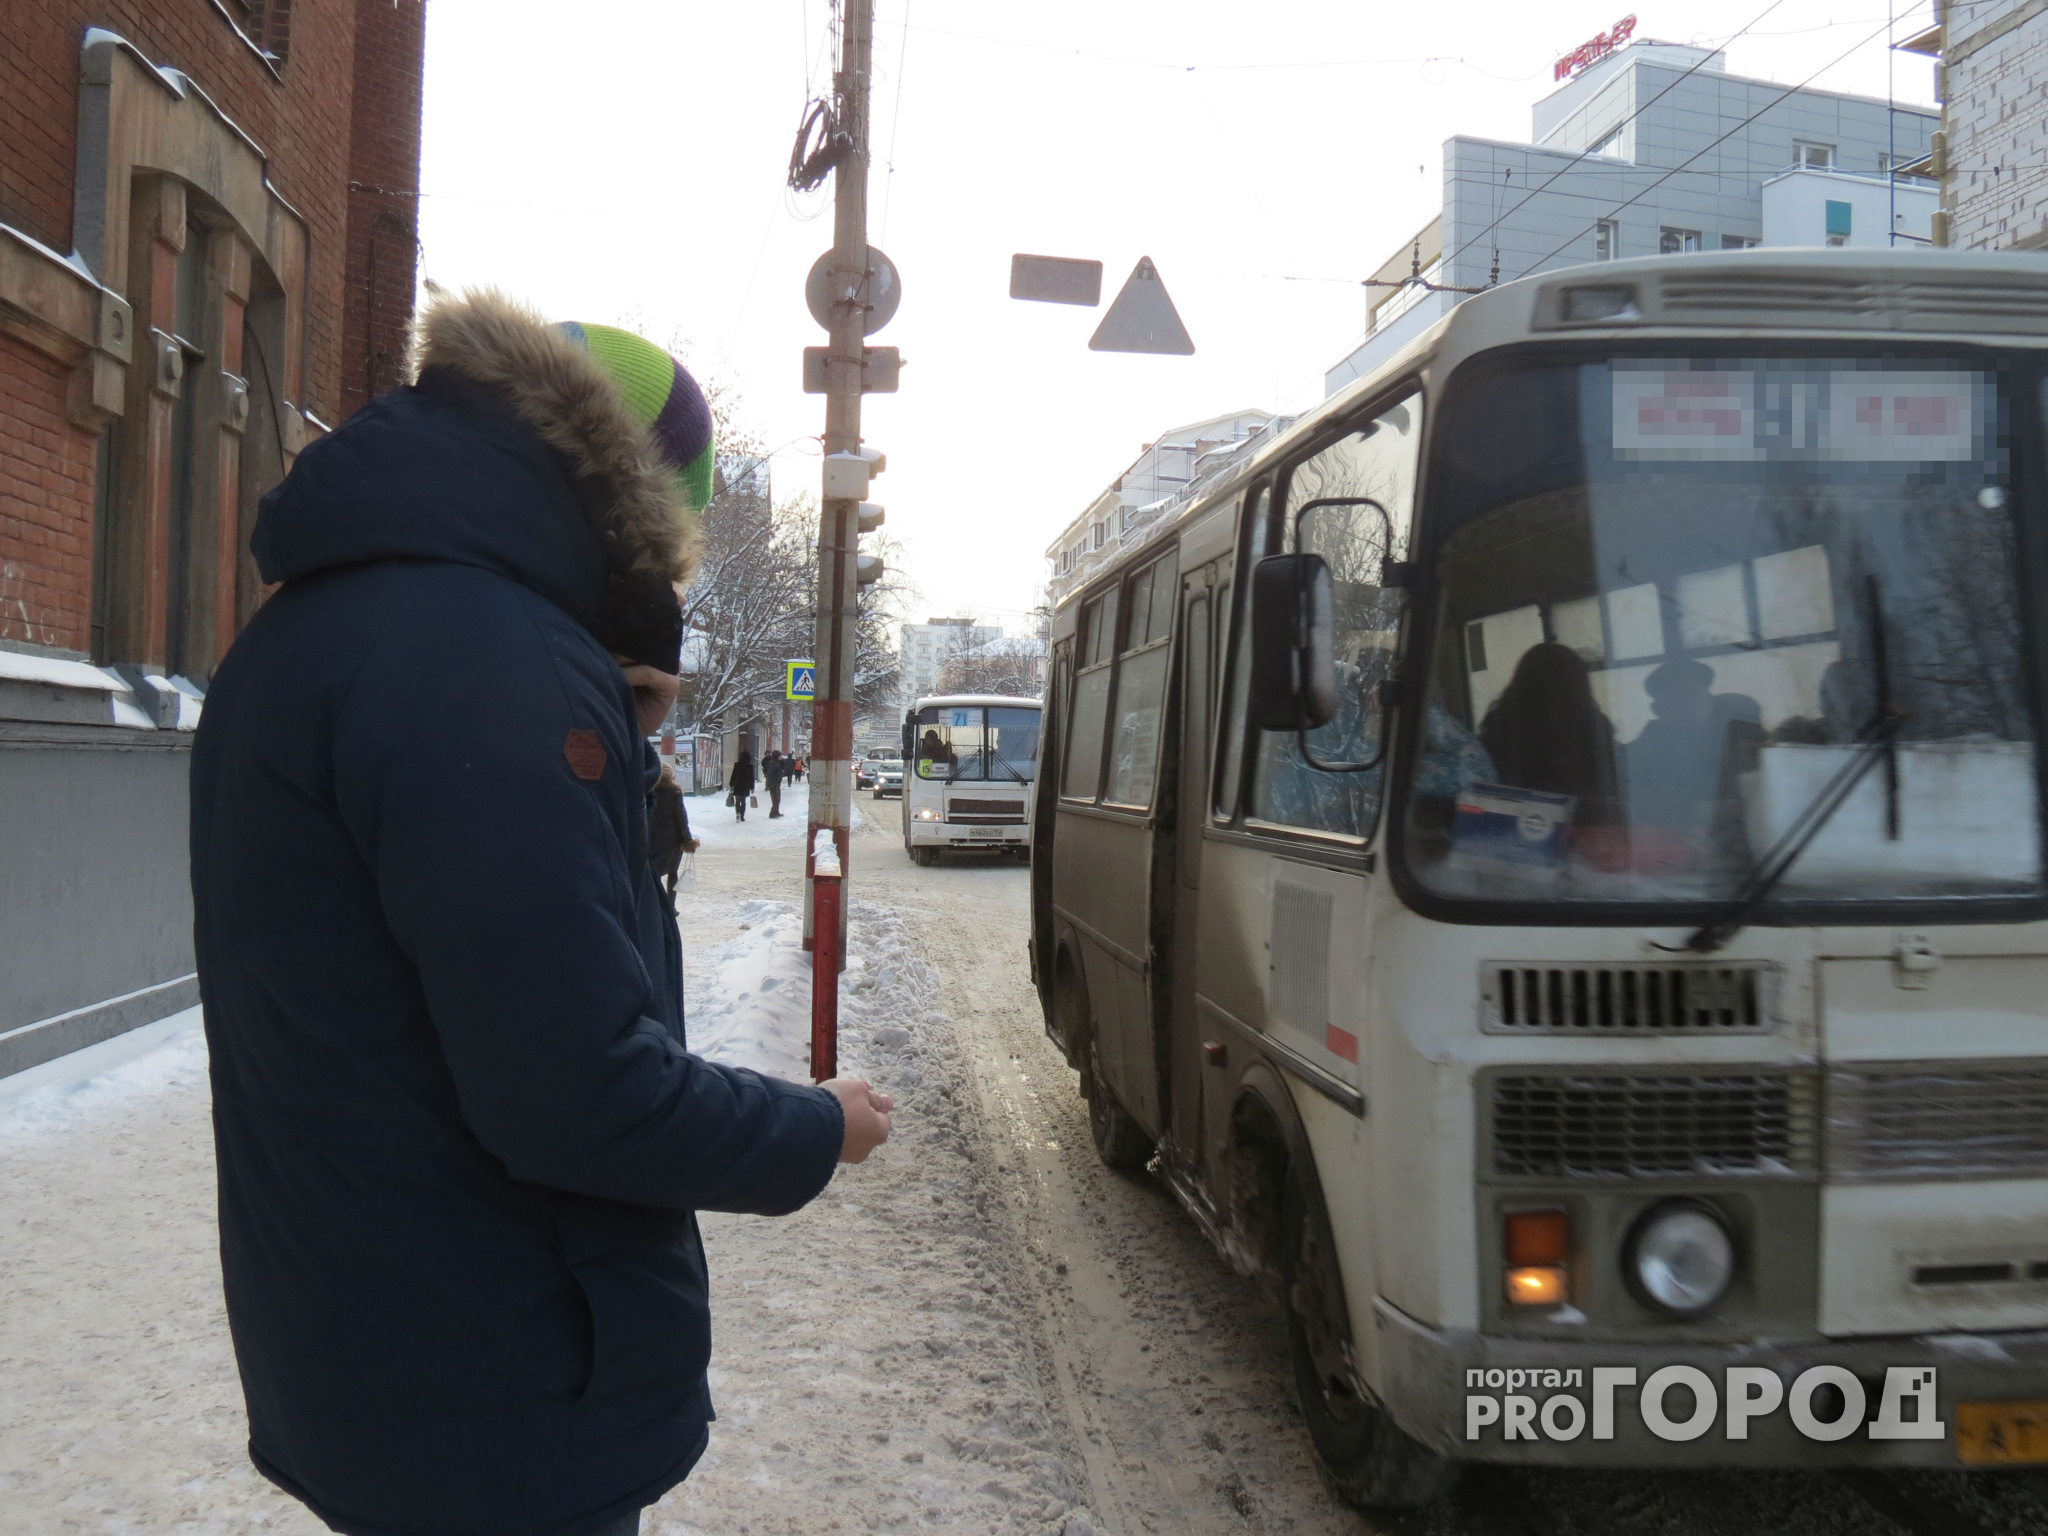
column 989, row 832
column 2001, row 1434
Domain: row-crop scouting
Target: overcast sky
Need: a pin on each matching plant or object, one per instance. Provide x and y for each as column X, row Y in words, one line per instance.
column 626, row 164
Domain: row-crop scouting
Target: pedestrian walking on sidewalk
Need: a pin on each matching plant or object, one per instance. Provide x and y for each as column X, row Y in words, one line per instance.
column 773, row 767
column 668, row 832
column 741, row 783
column 460, row 1138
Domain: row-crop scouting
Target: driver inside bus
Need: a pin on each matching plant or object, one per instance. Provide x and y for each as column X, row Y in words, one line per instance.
column 1680, row 767
column 935, row 749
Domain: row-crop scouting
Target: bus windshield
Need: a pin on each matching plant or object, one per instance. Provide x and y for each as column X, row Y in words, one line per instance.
column 1689, row 607
column 972, row 742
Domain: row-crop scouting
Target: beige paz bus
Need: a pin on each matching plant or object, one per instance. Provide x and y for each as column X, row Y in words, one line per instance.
column 1546, row 863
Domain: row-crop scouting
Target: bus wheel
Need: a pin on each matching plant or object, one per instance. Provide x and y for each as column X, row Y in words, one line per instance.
column 925, row 856
column 1119, row 1141
column 1368, row 1458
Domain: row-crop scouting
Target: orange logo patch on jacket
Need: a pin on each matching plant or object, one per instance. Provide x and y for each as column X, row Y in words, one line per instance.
column 585, row 751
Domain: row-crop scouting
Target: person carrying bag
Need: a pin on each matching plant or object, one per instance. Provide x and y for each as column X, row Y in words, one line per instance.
column 742, row 785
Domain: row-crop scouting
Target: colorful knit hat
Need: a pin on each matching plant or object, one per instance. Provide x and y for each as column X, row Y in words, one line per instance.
column 660, row 392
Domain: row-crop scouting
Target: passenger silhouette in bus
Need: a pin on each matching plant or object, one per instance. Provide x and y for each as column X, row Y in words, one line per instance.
column 936, row 750
column 1547, row 732
column 1681, row 766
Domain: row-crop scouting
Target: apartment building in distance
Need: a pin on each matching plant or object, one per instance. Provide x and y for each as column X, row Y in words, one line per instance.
column 1163, row 475
column 927, row 647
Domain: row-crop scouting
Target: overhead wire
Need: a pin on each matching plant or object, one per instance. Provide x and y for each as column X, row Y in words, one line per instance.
column 895, row 122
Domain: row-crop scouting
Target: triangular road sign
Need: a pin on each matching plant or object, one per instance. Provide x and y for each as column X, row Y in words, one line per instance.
column 1142, row 318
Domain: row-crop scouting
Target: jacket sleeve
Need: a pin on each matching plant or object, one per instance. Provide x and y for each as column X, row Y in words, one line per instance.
column 502, row 854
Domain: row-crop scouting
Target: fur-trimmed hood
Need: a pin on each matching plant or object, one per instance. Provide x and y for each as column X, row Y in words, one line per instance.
column 555, row 388
column 512, row 452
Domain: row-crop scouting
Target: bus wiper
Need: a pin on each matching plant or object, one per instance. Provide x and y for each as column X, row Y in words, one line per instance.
column 1012, row 772
column 1876, row 743
column 1872, row 747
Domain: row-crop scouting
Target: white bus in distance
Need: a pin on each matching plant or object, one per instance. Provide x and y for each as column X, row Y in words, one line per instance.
column 970, row 765
column 1548, row 859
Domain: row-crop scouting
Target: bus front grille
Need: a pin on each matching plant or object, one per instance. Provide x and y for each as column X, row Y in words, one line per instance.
column 1938, row 1120
column 1600, row 999
column 1578, row 1124
column 961, row 808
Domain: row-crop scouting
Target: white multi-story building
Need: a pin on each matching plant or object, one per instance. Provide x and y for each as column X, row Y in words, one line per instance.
column 1654, row 148
column 927, row 647
column 1160, row 478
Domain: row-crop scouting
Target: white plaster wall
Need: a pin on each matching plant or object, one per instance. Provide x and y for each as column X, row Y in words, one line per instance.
column 1795, row 209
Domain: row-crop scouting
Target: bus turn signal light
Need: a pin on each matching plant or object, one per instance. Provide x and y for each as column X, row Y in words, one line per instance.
column 1537, row 1245
column 1538, row 1285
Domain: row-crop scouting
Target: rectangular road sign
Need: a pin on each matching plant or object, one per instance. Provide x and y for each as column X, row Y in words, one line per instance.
column 880, row 368
column 1056, row 280
column 800, row 681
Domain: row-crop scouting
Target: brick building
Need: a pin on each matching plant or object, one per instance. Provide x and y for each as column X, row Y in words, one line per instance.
column 207, row 255
column 1991, row 153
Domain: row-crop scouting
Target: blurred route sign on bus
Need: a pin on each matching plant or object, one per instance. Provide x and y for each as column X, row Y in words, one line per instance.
column 881, row 293
column 1142, row 318
column 800, row 682
column 1056, row 280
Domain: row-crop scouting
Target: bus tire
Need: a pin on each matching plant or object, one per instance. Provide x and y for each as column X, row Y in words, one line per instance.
column 1119, row 1140
column 924, row 856
column 1370, row 1461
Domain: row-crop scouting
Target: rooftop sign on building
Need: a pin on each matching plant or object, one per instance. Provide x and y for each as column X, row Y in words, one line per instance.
column 1596, row 49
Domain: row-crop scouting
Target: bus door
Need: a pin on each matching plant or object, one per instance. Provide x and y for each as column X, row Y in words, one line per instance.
column 1199, row 628
column 1110, row 780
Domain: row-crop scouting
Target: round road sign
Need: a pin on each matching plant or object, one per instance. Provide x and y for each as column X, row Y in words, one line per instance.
column 881, row 293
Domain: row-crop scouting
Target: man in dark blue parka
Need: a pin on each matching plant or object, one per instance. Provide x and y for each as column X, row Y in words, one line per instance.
column 460, row 1138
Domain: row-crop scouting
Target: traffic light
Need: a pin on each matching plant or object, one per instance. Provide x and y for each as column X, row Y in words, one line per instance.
column 847, row 476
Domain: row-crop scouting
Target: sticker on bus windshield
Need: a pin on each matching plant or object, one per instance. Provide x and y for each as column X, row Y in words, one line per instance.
column 1512, row 826
column 1827, row 411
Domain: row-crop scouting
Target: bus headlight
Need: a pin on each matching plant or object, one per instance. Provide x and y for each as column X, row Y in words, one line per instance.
column 1679, row 1258
column 926, row 813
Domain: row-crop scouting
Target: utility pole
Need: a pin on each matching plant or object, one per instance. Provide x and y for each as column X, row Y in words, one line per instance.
column 838, row 545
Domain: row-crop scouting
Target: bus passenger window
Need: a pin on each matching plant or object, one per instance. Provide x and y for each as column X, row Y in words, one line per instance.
column 1141, row 687
column 1377, row 461
column 1082, row 774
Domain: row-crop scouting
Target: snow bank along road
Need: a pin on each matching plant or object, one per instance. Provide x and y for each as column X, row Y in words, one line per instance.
column 979, row 1330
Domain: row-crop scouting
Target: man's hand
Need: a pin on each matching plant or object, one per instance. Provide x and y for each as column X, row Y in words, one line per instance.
column 867, row 1116
column 654, row 692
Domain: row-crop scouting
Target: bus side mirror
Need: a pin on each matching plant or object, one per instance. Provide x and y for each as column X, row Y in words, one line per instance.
column 1294, row 665
column 909, row 740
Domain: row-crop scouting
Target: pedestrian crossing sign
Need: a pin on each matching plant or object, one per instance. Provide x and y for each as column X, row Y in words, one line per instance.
column 801, row 684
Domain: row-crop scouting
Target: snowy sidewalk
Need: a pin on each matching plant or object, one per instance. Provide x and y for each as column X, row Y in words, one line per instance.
column 868, row 1374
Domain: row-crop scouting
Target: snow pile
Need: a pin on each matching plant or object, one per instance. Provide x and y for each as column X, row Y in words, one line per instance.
column 749, row 998
column 76, row 1091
